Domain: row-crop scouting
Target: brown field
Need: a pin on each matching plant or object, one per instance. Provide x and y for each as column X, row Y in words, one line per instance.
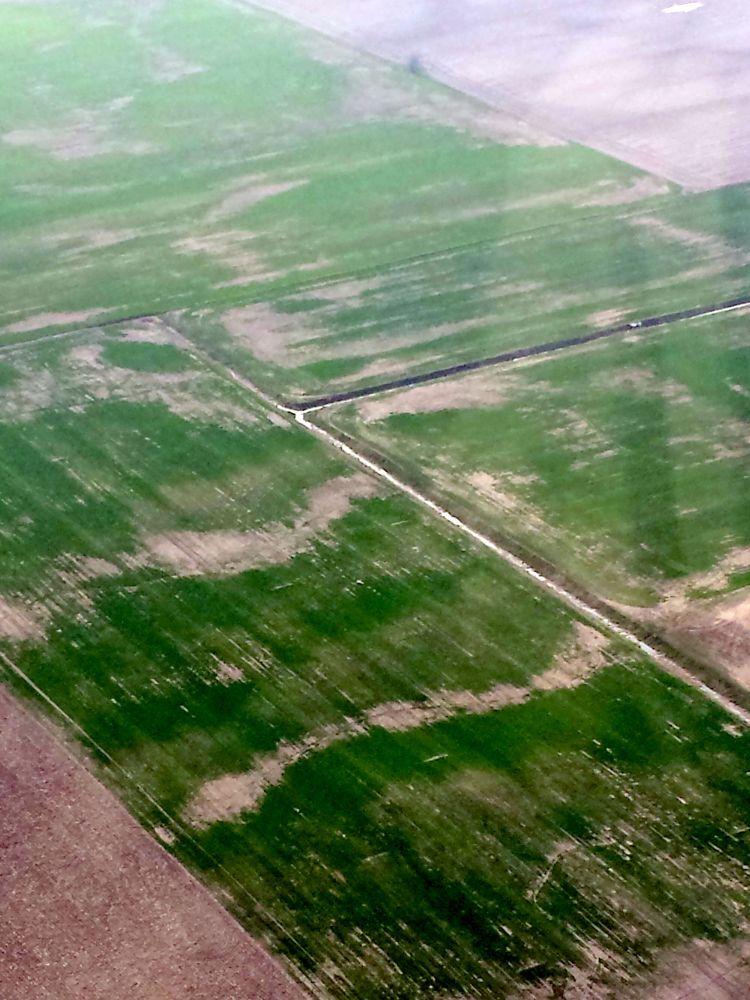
column 91, row 908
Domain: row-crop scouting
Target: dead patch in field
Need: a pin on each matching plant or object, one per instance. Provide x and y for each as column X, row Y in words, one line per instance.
column 152, row 334
column 269, row 335
column 644, row 381
column 626, row 194
column 72, row 244
column 227, row 673
column 350, row 293
column 230, row 795
column 600, row 194
column 701, row 970
column 42, row 320
column 231, row 249
column 713, row 246
column 605, row 318
column 168, row 66
column 83, row 374
column 577, row 433
column 714, row 626
column 85, row 136
column 468, row 393
column 92, row 906
column 249, row 191
column 584, row 654
column 20, row 623
column 504, row 492
column 193, row 553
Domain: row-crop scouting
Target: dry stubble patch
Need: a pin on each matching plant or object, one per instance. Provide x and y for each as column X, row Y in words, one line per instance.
column 42, row 320
column 250, row 191
column 230, row 795
column 91, row 906
column 193, row 553
column 471, row 392
column 20, row 623
column 714, row 628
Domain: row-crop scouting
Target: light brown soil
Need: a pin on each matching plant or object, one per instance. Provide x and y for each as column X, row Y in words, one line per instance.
column 232, row 794
column 92, row 239
column 605, row 318
column 193, row 553
column 646, row 382
column 473, row 391
column 248, row 192
column 42, row 320
column 78, row 140
column 712, row 246
column 604, row 193
column 702, row 970
column 261, row 330
column 231, row 249
column 19, row 623
column 91, row 907
column 168, row 66
column 716, row 629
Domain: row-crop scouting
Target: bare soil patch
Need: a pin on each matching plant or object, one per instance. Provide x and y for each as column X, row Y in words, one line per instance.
column 193, row 553
column 471, row 392
column 605, row 318
column 231, row 249
column 701, row 970
column 248, row 192
column 603, row 193
column 20, row 623
column 93, row 239
column 230, row 795
column 713, row 246
column 43, row 320
column 715, row 628
column 268, row 334
column 646, row 382
column 79, row 140
column 91, row 906
column 168, row 66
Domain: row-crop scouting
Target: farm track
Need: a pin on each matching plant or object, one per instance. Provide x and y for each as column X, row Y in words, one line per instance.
column 518, row 354
column 582, row 605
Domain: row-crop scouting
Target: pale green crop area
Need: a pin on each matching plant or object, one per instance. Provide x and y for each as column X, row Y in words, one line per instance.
column 410, row 770
column 186, row 153
column 191, row 156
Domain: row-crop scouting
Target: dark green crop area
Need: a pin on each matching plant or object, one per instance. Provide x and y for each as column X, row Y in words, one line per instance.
column 610, row 820
column 625, row 463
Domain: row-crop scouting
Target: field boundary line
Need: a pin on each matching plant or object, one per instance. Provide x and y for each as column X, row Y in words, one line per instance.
column 518, row 354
